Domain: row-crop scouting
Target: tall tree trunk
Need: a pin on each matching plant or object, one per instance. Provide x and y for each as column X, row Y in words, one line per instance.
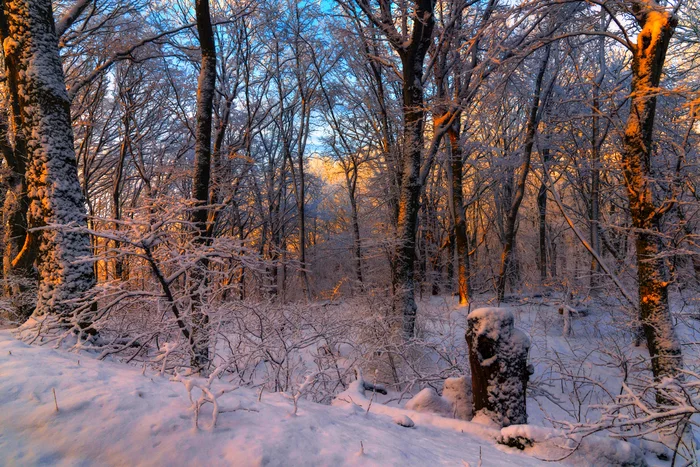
column 351, row 182
column 412, row 58
column 409, row 199
column 20, row 277
column 205, row 101
column 542, row 210
column 460, row 221
column 55, row 196
column 120, row 272
column 202, row 173
column 647, row 63
column 596, row 143
column 412, row 47
column 595, row 197
column 512, row 215
column 301, row 207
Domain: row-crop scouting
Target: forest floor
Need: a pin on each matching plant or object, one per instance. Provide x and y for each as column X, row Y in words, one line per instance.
column 112, row 414
column 109, row 413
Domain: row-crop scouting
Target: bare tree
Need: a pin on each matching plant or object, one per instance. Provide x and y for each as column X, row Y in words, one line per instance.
column 411, row 44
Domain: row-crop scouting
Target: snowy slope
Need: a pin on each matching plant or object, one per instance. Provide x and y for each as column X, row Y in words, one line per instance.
column 111, row 414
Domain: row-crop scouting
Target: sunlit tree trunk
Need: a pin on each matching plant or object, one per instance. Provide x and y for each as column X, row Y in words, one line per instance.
column 460, row 221
column 120, row 271
column 542, row 211
column 19, row 276
column 55, row 198
column 647, row 63
column 412, row 58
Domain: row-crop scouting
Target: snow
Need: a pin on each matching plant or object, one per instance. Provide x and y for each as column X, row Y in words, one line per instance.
column 492, row 321
column 112, row 414
column 429, row 401
column 458, row 392
column 404, row 421
column 590, row 451
column 501, row 351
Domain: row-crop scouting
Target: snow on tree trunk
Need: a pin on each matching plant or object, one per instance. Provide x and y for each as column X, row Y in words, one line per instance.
column 647, row 64
column 412, row 58
column 20, row 276
column 498, row 360
column 55, row 197
column 202, row 175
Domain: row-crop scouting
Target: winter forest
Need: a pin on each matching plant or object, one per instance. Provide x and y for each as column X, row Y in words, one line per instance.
column 350, row 232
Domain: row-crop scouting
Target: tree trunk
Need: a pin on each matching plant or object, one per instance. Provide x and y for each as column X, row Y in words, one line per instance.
column 498, row 360
column 595, row 174
column 412, row 58
column 55, row 196
column 509, row 230
column 409, row 199
column 120, row 271
column 202, row 173
column 351, row 182
column 301, row 207
column 460, row 221
column 542, row 210
column 205, row 102
column 648, row 59
column 20, row 277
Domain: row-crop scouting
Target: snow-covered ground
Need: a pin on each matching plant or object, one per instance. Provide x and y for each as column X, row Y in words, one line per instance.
column 112, row 414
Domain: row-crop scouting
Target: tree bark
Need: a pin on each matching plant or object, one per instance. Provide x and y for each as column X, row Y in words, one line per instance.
column 542, row 210
column 120, row 271
column 412, row 58
column 202, row 173
column 498, row 360
column 647, row 64
column 20, row 277
column 55, row 198
column 351, row 182
column 205, row 102
column 460, row 221
column 596, row 143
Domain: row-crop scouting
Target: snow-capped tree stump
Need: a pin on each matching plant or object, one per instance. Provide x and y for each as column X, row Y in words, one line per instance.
column 498, row 359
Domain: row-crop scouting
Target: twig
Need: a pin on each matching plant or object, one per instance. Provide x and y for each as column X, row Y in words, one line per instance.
column 55, row 401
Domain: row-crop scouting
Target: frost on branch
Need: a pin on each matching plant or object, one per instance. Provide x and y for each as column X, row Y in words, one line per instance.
column 498, row 360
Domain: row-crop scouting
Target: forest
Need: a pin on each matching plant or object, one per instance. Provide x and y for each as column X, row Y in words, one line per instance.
column 452, row 232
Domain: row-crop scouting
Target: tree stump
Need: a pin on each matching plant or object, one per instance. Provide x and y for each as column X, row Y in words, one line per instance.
column 498, row 360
